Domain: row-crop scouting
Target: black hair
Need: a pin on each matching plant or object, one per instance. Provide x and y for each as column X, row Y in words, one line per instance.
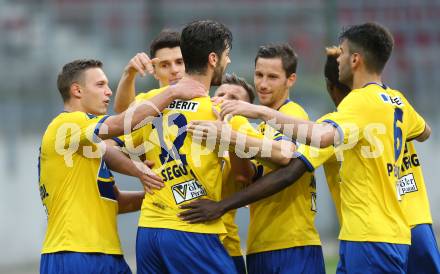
column 166, row 39
column 283, row 51
column 372, row 40
column 199, row 39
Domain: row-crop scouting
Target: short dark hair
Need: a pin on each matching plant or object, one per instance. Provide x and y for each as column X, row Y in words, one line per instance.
column 167, row 38
column 199, row 39
column 233, row 79
column 331, row 73
column 372, row 40
column 71, row 72
column 283, row 51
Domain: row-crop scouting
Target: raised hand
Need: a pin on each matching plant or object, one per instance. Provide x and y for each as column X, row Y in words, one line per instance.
column 187, row 89
column 141, row 64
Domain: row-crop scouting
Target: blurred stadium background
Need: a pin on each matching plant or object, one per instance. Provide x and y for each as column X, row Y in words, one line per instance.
column 38, row 36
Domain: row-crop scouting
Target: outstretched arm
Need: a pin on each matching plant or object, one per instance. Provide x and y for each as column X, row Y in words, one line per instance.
column 294, row 128
column 129, row 201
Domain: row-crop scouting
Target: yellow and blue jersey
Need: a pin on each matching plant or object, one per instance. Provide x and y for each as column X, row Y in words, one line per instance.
column 412, row 189
column 76, row 187
column 315, row 157
column 232, row 240
column 374, row 123
column 190, row 170
column 285, row 219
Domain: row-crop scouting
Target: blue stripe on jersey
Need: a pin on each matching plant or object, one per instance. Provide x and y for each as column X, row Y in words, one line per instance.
column 304, row 160
column 106, row 189
column 338, row 128
column 98, row 126
column 118, row 141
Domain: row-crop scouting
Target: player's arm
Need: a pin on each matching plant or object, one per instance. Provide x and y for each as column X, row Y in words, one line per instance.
column 242, row 169
column 128, row 201
column 119, row 162
column 315, row 134
column 425, row 134
column 242, row 140
column 205, row 210
column 125, row 93
column 275, row 152
column 186, row 89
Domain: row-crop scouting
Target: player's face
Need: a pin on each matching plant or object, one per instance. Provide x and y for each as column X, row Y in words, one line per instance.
column 220, row 68
column 344, row 65
column 270, row 81
column 95, row 92
column 232, row 92
column 170, row 68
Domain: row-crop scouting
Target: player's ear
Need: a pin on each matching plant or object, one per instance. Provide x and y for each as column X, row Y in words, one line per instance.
column 212, row 59
column 75, row 90
column 356, row 60
column 291, row 80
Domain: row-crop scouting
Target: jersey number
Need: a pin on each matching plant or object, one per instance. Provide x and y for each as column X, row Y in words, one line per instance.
column 172, row 154
column 398, row 116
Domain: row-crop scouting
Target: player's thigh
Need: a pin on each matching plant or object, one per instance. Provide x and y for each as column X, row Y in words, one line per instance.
column 76, row 262
column 373, row 257
column 148, row 258
column 424, row 256
column 186, row 252
column 303, row 259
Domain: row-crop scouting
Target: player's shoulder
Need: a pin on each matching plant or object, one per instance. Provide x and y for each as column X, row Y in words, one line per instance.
column 294, row 109
column 149, row 94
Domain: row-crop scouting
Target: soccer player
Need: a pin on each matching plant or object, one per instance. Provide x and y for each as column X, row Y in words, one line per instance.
column 374, row 233
column 164, row 243
column 76, row 186
column 233, row 88
column 289, row 242
column 166, row 66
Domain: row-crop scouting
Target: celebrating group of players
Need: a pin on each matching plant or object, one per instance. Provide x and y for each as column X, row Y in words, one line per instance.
column 199, row 159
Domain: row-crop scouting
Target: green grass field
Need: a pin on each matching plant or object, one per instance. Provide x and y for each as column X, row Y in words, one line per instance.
column 330, row 264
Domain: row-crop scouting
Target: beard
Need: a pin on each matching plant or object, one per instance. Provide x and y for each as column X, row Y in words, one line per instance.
column 218, row 75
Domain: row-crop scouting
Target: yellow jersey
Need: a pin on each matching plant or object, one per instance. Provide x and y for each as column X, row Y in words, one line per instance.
column 374, row 122
column 232, row 240
column 285, row 219
column 412, row 189
column 190, row 170
column 315, row 157
column 76, row 187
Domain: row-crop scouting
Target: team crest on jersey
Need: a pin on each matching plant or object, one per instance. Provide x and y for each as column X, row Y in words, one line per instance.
column 187, row 191
column 406, row 184
column 395, row 101
column 184, row 105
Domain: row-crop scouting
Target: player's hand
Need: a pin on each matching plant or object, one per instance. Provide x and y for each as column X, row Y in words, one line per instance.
column 217, row 100
column 333, row 51
column 237, row 107
column 201, row 210
column 210, row 130
column 187, row 89
column 141, row 64
column 148, row 178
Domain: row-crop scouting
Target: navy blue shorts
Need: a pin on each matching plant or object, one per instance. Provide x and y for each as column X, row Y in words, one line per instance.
column 301, row 259
column 77, row 262
column 160, row 250
column 372, row 257
column 240, row 266
column 423, row 256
